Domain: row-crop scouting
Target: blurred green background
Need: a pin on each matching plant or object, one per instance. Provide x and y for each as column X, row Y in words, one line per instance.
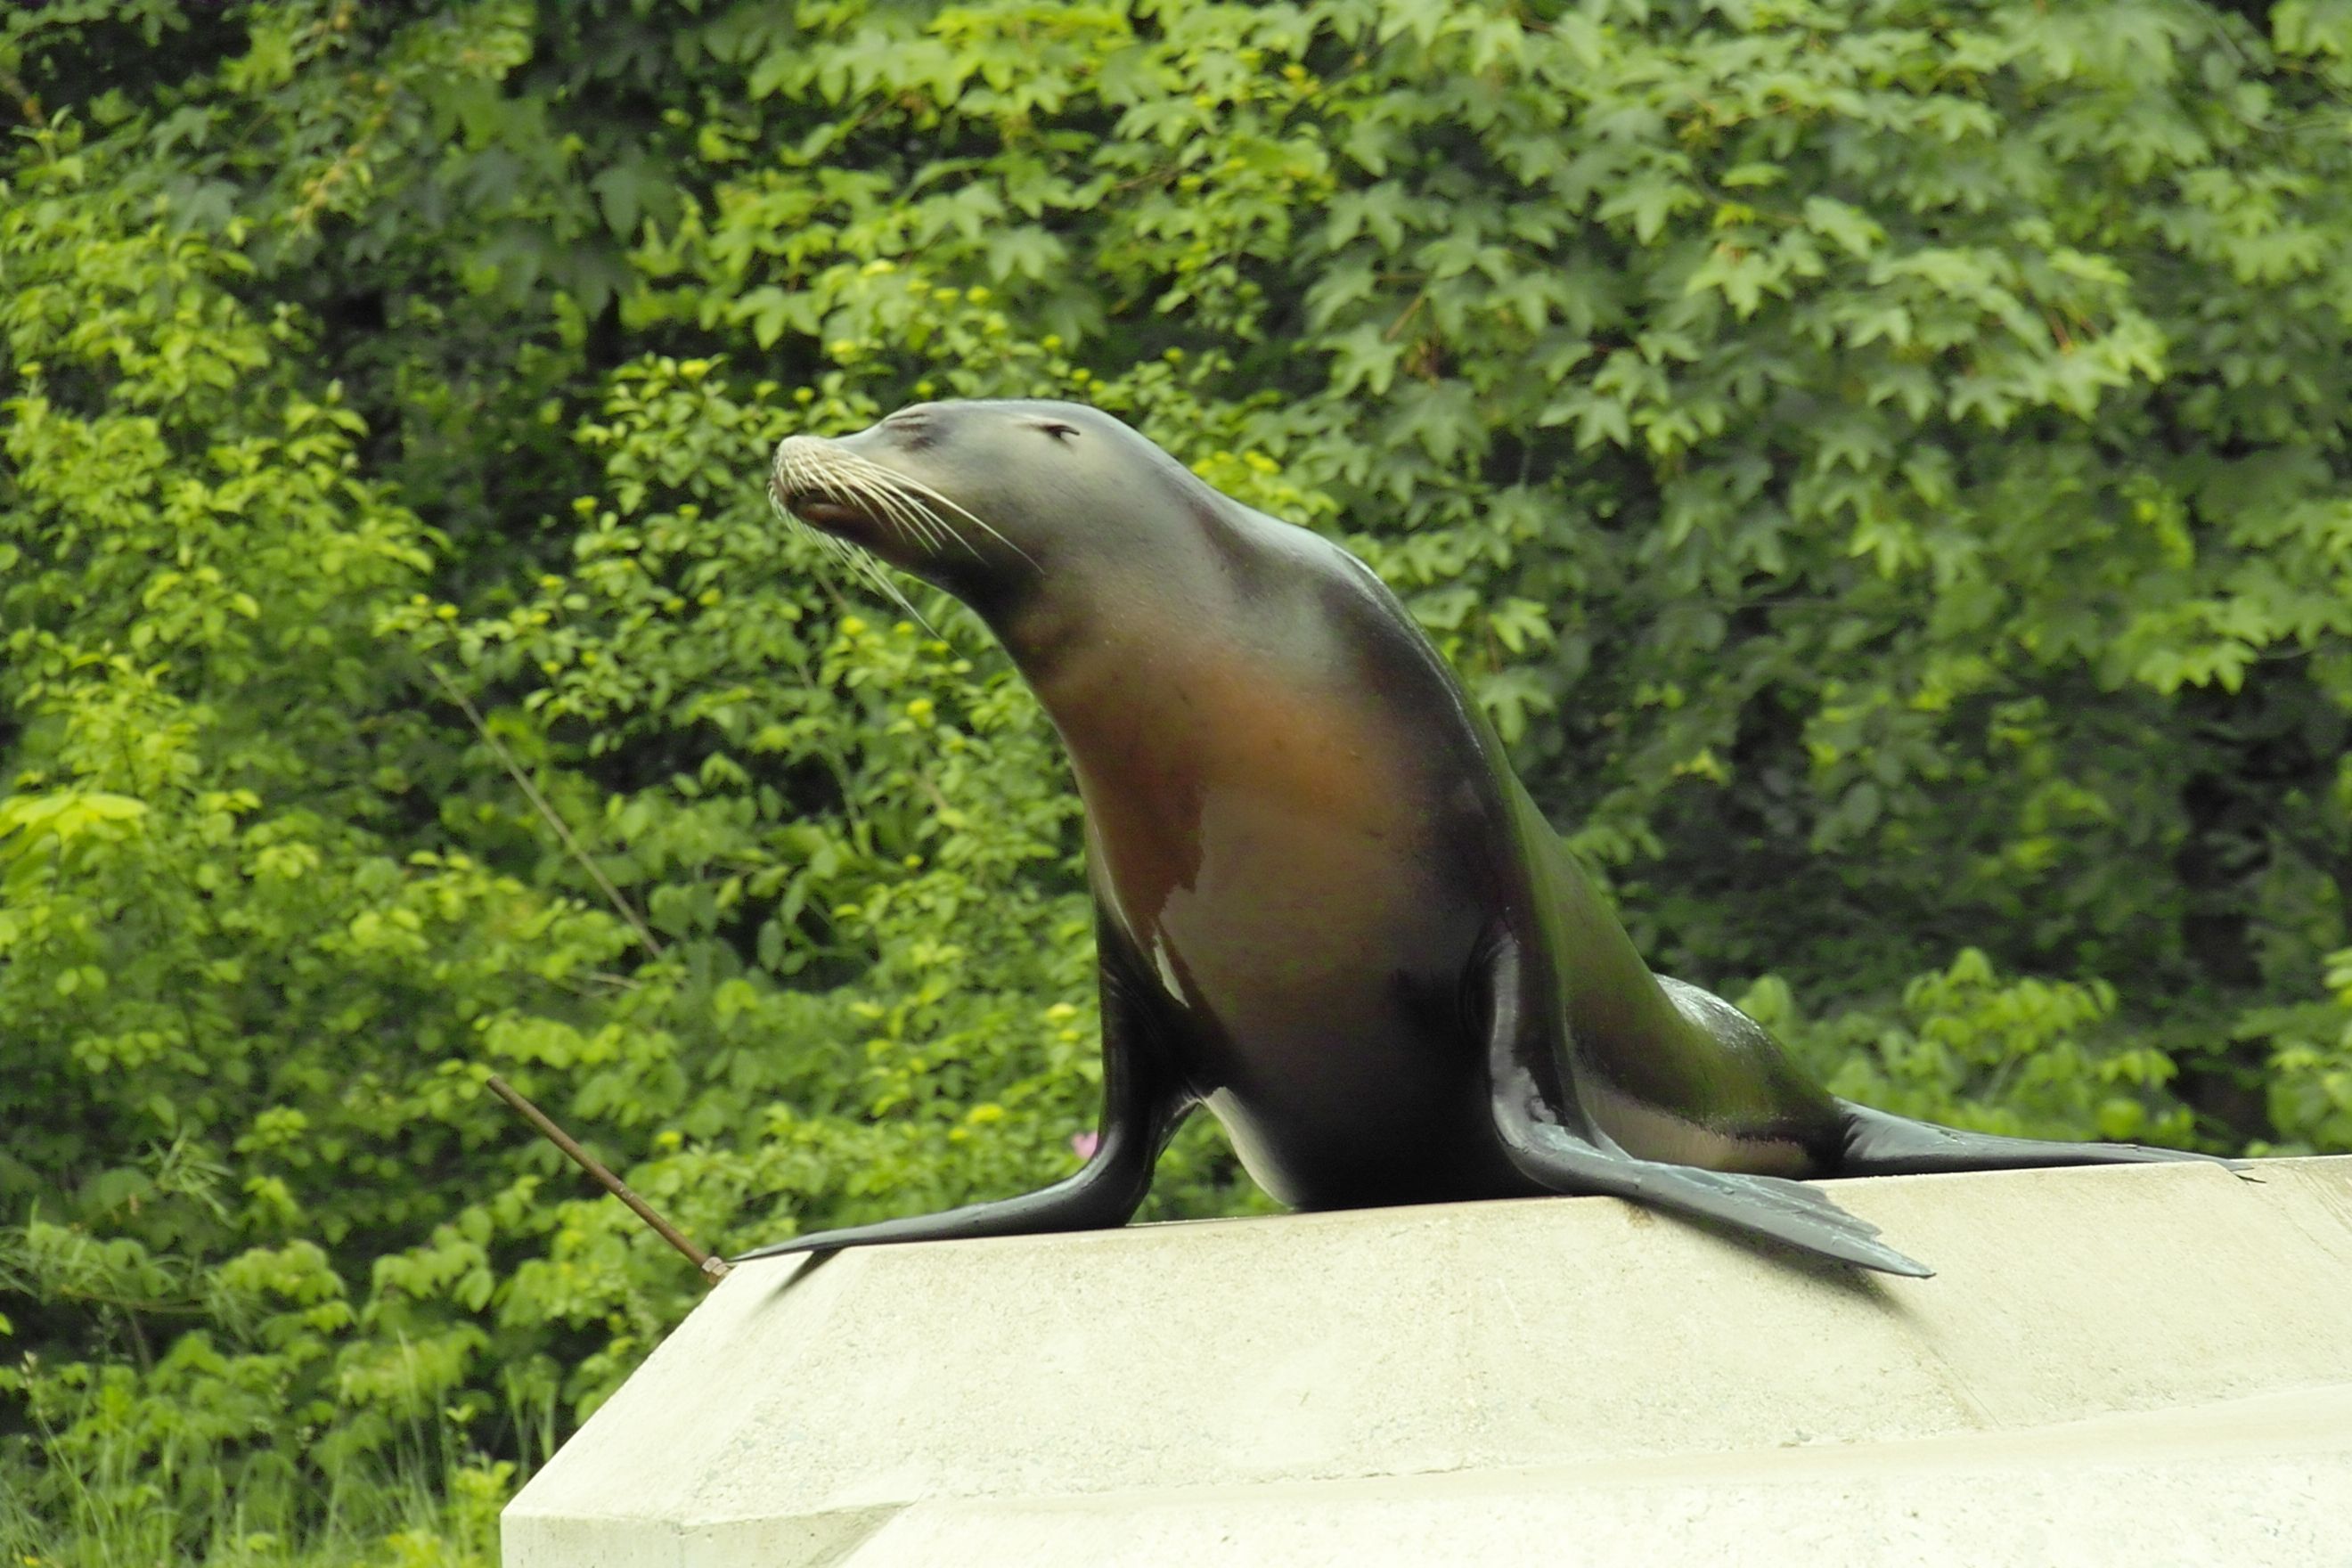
column 1882, row 465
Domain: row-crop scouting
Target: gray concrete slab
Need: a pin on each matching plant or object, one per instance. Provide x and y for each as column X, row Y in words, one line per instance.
column 2141, row 1361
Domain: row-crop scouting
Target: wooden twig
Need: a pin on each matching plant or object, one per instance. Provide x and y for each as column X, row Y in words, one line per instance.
column 540, row 804
column 713, row 1267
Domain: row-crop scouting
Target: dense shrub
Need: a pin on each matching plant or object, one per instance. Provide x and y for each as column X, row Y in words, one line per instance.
column 1882, row 466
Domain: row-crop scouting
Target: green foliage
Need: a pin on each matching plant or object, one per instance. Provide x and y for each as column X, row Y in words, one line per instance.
column 1883, row 467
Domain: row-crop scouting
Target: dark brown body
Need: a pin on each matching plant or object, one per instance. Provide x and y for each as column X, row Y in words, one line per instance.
column 1294, row 867
column 1327, row 911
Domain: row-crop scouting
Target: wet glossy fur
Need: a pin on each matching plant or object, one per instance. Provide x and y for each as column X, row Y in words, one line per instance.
column 1327, row 911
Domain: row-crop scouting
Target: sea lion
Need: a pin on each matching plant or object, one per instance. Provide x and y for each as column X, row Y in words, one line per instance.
column 1326, row 909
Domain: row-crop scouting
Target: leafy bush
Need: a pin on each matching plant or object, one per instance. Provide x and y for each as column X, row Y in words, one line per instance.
column 1882, row 466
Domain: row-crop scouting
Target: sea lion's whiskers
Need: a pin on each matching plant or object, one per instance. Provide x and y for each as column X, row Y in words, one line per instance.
column 908, row 516
column 916, row 492
column 916, row 509
column 934, row 530
column 925, row 492
column 877, row 489
column 871, row 569
column 795, row 475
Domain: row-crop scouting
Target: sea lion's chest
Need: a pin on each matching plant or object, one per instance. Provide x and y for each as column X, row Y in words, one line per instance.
column 1278, row 855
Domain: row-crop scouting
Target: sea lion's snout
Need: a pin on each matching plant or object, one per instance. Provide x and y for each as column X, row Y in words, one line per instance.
column 870, row 497
column 821, row 509
column 796, row 482
column 822, row 512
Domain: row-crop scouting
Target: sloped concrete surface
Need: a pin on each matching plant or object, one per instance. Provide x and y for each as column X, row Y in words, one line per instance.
column 2139, row 1365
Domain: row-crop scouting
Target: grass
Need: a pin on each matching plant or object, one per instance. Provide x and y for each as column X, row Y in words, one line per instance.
column 426, row 1502
column 408, row 1518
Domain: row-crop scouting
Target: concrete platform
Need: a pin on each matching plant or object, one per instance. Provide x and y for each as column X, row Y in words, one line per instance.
column 2137, row 1366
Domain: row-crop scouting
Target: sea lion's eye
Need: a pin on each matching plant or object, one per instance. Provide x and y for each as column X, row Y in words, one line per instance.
column 1058, row 430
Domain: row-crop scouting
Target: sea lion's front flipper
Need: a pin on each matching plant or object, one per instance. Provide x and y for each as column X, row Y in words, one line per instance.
column 1547, row 1135
column 1142, row 1106
column 1879, row 1143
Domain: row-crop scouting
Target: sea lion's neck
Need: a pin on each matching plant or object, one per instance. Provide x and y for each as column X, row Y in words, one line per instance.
column 1119, row 688
column 1141, row 749
column 1082, row 644
column 1049, row 634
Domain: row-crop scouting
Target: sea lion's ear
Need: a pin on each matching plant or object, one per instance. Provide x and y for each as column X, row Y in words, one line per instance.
column 1056, row 429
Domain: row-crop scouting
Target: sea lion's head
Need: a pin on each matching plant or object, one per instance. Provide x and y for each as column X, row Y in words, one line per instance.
column 995, row 500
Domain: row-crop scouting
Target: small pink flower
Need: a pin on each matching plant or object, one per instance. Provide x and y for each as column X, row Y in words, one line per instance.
column 1086, row 1143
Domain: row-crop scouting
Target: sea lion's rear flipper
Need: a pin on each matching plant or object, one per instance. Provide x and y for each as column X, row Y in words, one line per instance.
column 1878, row 1143
column 1549, row 1139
